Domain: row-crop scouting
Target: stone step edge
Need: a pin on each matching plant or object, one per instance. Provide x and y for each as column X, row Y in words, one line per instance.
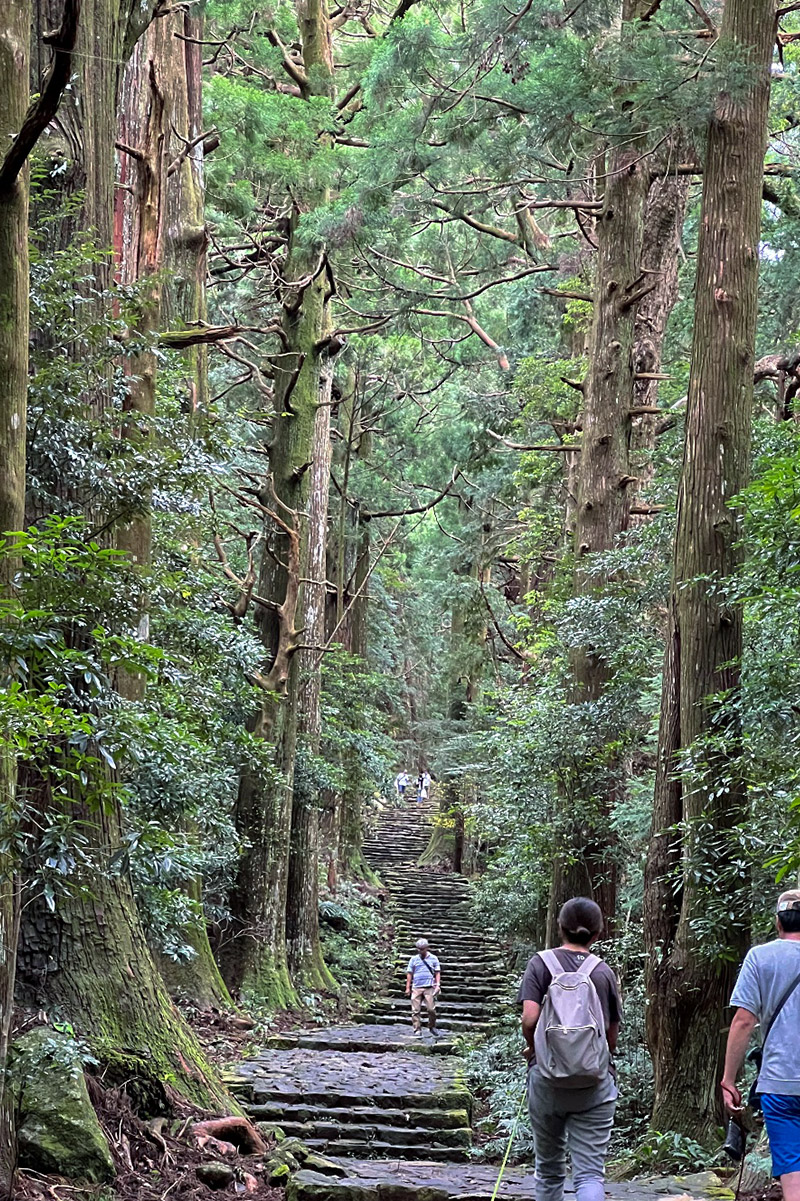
column 434, row 1119
column 451, row 1097
column 408, row 1136
column 390, row 1151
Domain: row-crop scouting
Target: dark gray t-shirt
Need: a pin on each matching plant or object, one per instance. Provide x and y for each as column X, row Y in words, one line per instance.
column 766, row 973
column 535, row 984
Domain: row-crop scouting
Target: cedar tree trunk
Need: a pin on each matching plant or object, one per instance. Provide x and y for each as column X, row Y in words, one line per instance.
column 254, row 955
column 161, row 245
column 306, row 964
column 88, row 961
column 15, row 22
column 586, row 862
column 689, row 981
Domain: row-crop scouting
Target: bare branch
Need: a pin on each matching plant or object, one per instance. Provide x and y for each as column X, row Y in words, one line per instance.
column 565, row 448
column 45, row 107
column 181, row 158
column 419, row 508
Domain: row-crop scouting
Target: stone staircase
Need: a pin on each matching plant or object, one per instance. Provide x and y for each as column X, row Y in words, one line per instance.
column 390, row 1111
column 373, row 1089
column 435, row 905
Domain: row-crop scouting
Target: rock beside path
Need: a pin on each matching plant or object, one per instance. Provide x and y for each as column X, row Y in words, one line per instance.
column 58, row 1128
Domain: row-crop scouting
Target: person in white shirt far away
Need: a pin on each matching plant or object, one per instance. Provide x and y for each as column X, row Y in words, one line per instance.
column 423, row 981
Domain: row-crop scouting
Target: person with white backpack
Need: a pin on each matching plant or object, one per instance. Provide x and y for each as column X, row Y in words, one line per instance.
column 570, row 1021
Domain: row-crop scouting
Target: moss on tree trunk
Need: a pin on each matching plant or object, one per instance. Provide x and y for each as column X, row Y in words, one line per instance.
column 15, row 21
column 688, row 980
column 88, row 963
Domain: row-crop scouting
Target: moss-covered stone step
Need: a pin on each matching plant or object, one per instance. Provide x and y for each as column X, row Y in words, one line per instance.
column 277, row 1112
column 372, row 1037
column 392, row 1079
column 444, row 1026
column 370, row 1180
column 458, row 1008
column 463, row 990
column 393, row 1151
column 333, row 1132
column 373, row 1180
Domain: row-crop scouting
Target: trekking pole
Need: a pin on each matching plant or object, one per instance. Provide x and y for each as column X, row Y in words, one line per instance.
column 512, row 1136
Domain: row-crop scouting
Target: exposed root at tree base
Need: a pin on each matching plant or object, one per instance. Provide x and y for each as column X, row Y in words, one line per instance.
column 155, row 1160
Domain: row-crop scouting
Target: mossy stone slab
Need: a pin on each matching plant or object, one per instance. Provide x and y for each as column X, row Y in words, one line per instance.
column 58, row 1130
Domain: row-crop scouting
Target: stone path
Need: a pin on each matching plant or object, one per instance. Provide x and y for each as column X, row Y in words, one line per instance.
column 389, row 1109
column 374, row 1088
column 368, row 1180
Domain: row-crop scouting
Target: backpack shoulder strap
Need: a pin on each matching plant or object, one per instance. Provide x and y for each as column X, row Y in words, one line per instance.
column 779, row 1009
column 588, row 965
column 552, row 963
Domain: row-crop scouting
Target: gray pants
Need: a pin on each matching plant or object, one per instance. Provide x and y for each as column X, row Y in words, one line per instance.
column 586, row 1135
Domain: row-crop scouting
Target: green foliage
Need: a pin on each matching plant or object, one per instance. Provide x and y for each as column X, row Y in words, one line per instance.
column 353, row 939
column 668, row 1151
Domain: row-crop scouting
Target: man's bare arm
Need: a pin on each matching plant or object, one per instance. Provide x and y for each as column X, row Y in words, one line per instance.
column 530, row 1016
column 742, row 1027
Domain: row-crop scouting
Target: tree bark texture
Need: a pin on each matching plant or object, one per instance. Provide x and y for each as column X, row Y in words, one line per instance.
column 688, row 981
column 15, row 20
column 306, row 964
column 88, row 962
column 86, row 126
column 348, row 811
column 144, row 126
column 255, row 955
column 585, row 862
column 661, row 249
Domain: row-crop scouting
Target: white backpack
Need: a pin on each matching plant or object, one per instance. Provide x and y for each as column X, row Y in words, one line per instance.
column 570, row 1038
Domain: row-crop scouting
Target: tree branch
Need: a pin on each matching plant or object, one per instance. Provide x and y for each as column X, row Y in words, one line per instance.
column 45, row 107
column 493, row 230
column 290, row 67
column 565, row 448
column 420, row 508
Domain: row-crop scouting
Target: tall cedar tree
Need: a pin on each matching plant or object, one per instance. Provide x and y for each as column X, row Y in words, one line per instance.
column 89, row 958
column 587, row 866
column 15, row 21
column 688, row 982
column 160, row 244
column 255, row 956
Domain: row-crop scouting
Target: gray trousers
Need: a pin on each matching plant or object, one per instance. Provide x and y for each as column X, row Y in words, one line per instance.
column 586, row 1135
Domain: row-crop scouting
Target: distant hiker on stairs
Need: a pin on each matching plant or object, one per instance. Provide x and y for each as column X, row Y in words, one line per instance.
column 423, row 981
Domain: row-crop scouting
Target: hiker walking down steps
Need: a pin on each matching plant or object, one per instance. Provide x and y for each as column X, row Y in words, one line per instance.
column 768, row 991
column 570, row 1022
column 423, row 981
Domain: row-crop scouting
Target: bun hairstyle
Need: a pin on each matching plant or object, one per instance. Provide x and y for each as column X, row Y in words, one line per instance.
column 580, row 920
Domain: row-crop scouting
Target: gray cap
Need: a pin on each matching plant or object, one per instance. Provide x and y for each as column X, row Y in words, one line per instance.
column 789, row 900
column 422, row 944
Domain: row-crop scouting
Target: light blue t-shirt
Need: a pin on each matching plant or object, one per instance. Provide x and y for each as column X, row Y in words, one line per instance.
column 766, row 973
column 423, row 971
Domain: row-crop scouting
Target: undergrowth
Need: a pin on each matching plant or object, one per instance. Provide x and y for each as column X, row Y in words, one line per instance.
column 355, row 940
